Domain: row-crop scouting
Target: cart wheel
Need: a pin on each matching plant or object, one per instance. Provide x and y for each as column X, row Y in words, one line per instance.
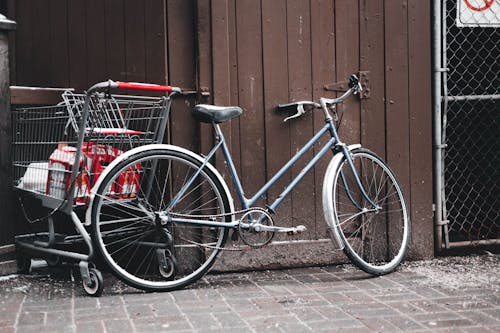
column 53, row 260
column 95, row 284
column 23, row 263
column 169, row 268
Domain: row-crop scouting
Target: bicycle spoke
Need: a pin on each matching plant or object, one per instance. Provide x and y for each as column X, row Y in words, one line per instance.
column 153, row 253
column 375, row 239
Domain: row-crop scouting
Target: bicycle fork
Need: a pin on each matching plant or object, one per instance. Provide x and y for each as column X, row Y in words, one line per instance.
column 362, row 210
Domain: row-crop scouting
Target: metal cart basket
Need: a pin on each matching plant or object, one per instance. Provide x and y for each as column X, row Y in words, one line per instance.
column 60, row 151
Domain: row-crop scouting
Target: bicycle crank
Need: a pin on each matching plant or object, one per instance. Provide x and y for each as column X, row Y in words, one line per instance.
column 256, row 228
column 253, row 228
column 290, row 231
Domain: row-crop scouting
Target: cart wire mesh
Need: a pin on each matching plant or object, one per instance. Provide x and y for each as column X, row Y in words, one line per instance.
column 46, row 141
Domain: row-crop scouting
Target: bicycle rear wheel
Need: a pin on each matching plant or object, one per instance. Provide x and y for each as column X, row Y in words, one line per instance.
column 127, row 229
column 375, row 240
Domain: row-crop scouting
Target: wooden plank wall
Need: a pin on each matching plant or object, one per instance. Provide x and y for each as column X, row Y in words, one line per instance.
column 61, row 43
column 257, row 54
column 75, row 44
column 270, row 52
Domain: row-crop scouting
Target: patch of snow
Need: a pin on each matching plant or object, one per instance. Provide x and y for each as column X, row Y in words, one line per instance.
column 23, row 289
column 8, row 277
column 458, row 272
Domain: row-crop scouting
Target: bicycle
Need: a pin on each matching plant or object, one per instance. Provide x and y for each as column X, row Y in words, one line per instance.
column 170, row 234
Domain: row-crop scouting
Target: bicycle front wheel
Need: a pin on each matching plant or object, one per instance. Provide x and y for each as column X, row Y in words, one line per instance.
column 375, row 238
column 141, row 248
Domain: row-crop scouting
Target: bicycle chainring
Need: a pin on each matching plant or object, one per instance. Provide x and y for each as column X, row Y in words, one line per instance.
column 251, row 235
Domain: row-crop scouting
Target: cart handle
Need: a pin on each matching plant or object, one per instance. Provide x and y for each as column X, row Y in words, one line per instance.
column 110, row 84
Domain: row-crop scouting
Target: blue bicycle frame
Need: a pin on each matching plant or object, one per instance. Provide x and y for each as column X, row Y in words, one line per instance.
column 333, row 144
column 249, row 202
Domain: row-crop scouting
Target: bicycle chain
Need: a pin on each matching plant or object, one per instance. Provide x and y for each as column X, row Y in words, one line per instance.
column 242, row 211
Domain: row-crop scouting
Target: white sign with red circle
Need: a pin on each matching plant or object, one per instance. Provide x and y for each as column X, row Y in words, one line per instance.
column 478, row 13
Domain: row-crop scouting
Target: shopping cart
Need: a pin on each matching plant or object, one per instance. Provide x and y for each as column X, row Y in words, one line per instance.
column 59, row 153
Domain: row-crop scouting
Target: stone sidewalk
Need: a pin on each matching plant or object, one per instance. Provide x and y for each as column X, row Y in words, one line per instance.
column 455, row 294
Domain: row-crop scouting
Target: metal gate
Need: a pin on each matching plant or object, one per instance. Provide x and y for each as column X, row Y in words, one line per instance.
column 467, row 122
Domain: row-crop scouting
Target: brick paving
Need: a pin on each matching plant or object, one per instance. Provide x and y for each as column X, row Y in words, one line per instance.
column 330, row 299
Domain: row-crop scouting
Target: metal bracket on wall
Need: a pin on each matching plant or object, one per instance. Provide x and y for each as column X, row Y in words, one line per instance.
column 203, row 94
column 341, row 86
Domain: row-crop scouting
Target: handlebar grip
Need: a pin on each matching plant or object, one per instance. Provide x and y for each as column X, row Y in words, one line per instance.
column 353, row 81
column 146, row 86
column 110, row 84
column 295, row 104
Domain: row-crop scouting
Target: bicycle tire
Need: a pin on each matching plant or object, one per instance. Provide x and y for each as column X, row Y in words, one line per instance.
column 376, row 241
column 129, row 235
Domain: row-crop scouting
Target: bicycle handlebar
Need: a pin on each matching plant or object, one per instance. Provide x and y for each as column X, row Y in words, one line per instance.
column 324, row 103
column 147, row 86
column 332, row 101
column 354, row 88
column 300, row 108
column 110, row 84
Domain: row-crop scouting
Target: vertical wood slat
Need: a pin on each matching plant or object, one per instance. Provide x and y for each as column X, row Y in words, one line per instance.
column 275, row 67
column 204, row 40
column 96, row 41
column 154, row 39
column 182, row 70
column 234, row 86
column 397, row 117
column 25, row 61
column 372, row 59
column 420, row 101
column 116, row 66
column 221, row 74
column 220, row 53
column 135, row 45
column 41, row 39
column 180, row 20
column 347, row 62
column 323, row 72
column 77, row 45
column 225, row 83
column 397, row 121
column 301, row 129
column 204, row 64
column 249, row 53
column 59, row 43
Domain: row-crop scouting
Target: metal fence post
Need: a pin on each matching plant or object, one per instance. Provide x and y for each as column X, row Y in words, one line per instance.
column 436, row 96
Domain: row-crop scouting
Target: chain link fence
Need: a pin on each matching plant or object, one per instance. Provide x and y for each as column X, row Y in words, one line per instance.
column 470, row 122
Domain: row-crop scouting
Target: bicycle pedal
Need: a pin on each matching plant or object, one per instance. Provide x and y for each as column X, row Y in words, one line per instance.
column 297, row 230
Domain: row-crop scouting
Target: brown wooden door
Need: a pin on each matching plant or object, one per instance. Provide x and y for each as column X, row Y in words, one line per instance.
column 270, row 52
